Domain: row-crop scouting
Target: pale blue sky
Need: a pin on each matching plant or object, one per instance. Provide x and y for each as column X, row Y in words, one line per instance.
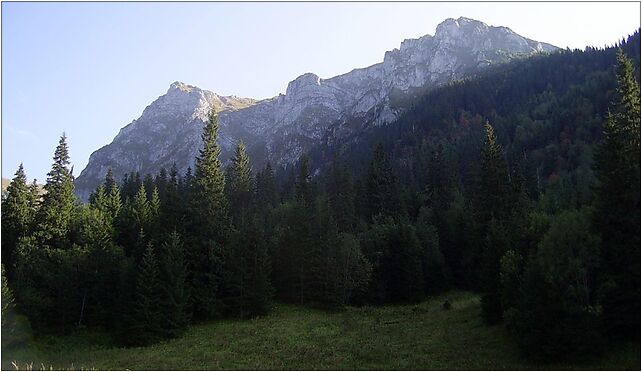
column 91, row 68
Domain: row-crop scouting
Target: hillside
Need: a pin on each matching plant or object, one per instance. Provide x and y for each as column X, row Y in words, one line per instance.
column 416, row 337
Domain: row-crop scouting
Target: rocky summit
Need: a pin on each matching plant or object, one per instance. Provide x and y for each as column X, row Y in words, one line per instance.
column 312, row 110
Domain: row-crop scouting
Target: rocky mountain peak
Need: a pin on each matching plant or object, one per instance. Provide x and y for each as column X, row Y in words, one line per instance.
column 303, row 81
column 312, row 110
column 452, row 28
column 179, row 86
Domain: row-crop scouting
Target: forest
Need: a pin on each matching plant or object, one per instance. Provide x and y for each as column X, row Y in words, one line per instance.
column 521, row 184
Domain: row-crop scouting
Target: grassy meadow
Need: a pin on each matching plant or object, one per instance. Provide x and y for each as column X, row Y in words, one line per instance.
column 418, row 337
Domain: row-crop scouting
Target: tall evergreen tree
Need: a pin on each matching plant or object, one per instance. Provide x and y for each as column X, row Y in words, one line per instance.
column 493, row 187
column 109, row 180
column 113, row 202
column 617, row 216
column 145, row 325
column 59, row 201
column 174, row 298
column 341, row 196
column 210, row 224
column 240, row 184
column 492, row 210
column 17, row 217
column 382, row 190
column 266, row 193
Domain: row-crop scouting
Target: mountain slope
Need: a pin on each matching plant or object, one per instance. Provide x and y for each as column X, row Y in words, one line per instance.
column 313, row 109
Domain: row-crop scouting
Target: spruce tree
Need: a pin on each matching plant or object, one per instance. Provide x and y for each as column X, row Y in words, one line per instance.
column 17, row 217
column 341, row 196
column 98, row 198
column 173, row 281
column 145, row 327
column 209, row 225
column 240, row 184
column 266, row 193
column 171, row 211
column 492, row 210
column 153, row 223
column 617, row 215
column 493, row 186
column 109, row 180
column 382, row 190
column 140, row 209
column 58, row 202
column 113, row 202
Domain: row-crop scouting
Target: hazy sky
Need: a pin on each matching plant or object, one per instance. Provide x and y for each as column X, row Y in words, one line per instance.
column 91, row 68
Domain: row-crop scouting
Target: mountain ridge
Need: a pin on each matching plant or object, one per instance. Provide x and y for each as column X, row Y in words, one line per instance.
column 282, row 128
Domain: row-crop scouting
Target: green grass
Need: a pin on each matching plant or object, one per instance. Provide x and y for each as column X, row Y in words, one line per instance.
column 419, row 337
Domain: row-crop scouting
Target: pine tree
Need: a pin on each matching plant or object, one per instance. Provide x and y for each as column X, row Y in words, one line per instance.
column 145, row 327
column 59, row 201
column 617, row 216
column 209, row 223
column 17, row 217
column 173, row 281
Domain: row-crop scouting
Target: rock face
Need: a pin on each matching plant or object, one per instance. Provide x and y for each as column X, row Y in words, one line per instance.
column 313, row 109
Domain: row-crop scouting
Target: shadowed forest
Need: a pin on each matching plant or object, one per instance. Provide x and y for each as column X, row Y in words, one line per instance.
column 498, row 217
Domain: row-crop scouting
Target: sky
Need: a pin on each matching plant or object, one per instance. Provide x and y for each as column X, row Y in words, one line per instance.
column 89, row 69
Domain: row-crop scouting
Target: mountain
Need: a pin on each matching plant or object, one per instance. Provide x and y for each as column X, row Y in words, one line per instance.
column 282, row 128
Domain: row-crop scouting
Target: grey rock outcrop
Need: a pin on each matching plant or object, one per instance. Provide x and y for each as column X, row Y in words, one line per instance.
column 284, row 127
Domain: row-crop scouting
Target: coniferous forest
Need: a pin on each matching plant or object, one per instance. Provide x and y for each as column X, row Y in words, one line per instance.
column 521, row 184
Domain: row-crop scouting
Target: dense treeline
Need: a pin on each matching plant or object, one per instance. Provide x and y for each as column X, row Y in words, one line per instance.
column 511, row 192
